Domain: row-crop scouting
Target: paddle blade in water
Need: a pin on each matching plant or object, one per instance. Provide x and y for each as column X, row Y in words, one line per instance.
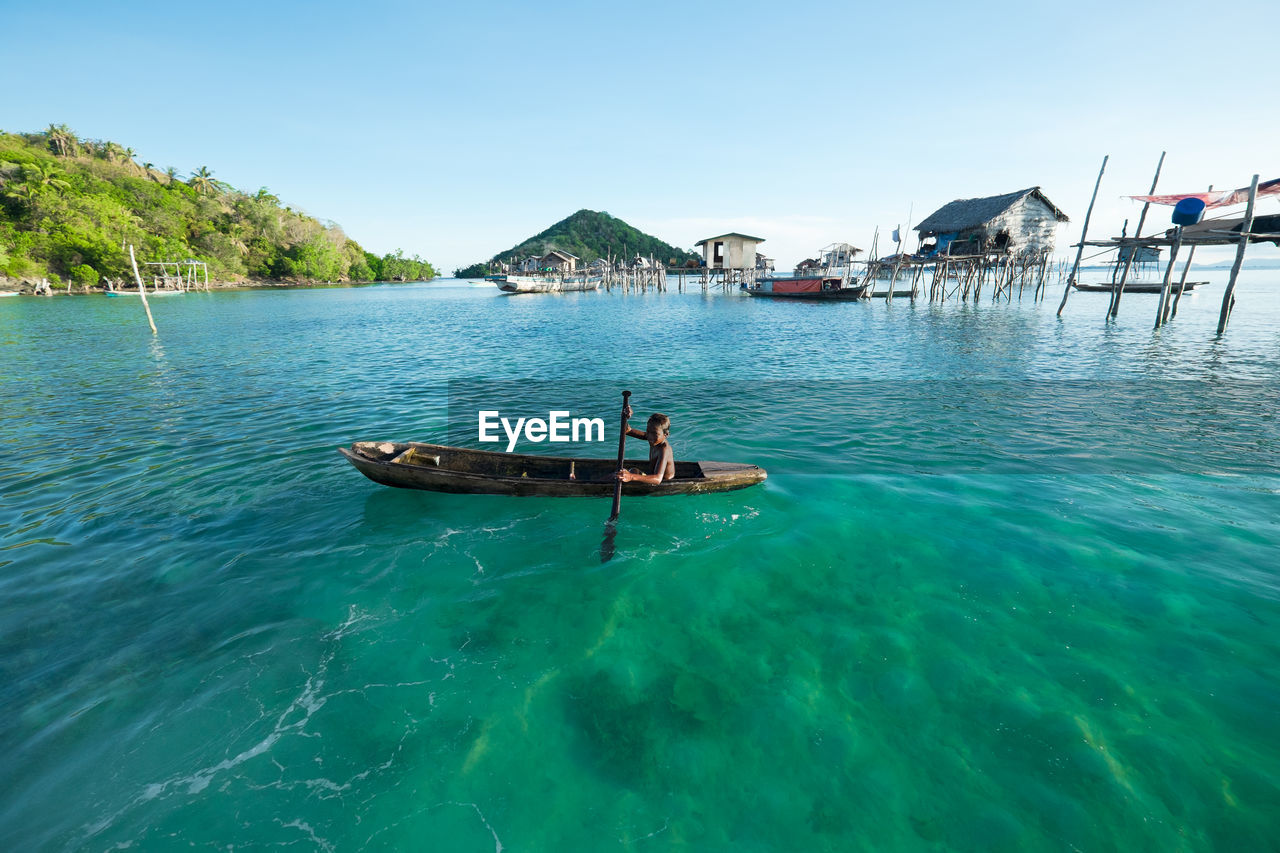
column 607, row 547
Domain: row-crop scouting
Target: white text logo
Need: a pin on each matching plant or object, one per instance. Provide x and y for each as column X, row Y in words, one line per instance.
column 558, row 427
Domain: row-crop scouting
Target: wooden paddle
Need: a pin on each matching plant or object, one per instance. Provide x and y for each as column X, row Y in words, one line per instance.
column 611, row 526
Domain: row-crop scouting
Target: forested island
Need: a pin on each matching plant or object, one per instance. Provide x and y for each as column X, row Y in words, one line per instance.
column 588, row 234
column 70, row 208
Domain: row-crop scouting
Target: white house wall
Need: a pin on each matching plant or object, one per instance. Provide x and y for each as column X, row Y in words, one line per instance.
column 737, row 254
column 740, row 254
column 1031, row 225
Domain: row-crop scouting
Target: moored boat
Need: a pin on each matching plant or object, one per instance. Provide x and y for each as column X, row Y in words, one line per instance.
column 829, row 277
column 545, row 284
column 437, row 468
column 833, row 289
column 1136, row 286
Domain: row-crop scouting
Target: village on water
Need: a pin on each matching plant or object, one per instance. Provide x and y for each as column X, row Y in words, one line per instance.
column 1001, row 245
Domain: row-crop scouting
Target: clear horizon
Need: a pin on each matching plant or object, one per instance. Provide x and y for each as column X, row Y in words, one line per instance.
column 455, row 133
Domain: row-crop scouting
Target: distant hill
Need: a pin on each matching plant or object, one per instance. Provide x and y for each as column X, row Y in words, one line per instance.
column 589, row 234
column 70, row 207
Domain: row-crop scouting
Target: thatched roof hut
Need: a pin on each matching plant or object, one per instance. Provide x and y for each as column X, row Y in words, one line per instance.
column 1016, row 223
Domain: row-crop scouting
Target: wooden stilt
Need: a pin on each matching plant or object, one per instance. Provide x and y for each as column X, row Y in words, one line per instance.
column 1229, row 296
column 1171, row 311
column 1083, row 233
column 1168, row 277
column 142, row 291
column 1118, row 290
column 1182, row 284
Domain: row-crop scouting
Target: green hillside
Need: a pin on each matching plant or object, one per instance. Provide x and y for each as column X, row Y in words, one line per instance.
column 589, row 235
column 70, row 207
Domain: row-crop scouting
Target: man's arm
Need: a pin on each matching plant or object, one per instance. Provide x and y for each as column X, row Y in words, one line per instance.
column 632, row 431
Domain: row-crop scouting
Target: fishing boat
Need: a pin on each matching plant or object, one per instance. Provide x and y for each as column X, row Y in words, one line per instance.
column 436, row 468
column 1136, row 286
column 830, row 278
column 808, row 288
column 545, row 284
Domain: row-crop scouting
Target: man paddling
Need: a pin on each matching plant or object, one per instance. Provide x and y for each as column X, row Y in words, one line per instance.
column 662, row 462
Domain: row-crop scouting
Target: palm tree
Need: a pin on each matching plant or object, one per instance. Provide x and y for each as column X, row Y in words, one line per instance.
column 202, row 181
column 7, row 170
column 61, row 140
column 37, row 178
column 22, row 192
column 171, row 173
column 44, row 177
column 113, row 151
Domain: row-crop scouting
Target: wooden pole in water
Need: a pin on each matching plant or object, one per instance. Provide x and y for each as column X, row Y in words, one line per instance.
column 1182, row 285
column 1171, row 310
column 1168, row 277
column 142, row 290
column 1229, row 297
column 1118, row 289
column 1083, row 233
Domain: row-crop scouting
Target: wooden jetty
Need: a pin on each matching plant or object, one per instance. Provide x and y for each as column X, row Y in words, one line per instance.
column 187, row 275
column 1235, row 230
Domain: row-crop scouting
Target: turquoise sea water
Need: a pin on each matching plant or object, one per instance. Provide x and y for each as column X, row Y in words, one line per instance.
column 1013, row 582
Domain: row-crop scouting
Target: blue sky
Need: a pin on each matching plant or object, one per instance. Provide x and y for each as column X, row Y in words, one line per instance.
column 457, row 130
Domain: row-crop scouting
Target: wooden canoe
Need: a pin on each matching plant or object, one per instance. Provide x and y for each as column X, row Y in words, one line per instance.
column 436, row 468
column 1136, row 286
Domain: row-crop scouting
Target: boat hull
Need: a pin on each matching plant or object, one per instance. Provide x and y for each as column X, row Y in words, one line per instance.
column 437, row 468
column 844, row 294
column 535, row 284
column 1136, row 287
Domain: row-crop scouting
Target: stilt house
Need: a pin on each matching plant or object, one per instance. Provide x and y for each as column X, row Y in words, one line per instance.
column 1018, row 223
column 731, row 251
column 558, row 261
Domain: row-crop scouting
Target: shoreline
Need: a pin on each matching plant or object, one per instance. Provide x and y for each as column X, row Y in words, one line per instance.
column 11, row 287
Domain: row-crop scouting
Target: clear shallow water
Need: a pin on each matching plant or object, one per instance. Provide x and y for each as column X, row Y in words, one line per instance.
column 214, row 632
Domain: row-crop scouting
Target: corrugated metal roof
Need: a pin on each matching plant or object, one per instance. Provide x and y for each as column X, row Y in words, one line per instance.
column 730, row 234
column 971, row 212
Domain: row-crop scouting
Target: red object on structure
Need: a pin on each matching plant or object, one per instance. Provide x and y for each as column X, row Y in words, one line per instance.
column 797, row 285
column 1224, row 198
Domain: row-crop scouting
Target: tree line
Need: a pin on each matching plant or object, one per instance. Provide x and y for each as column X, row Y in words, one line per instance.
column 70, row 208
